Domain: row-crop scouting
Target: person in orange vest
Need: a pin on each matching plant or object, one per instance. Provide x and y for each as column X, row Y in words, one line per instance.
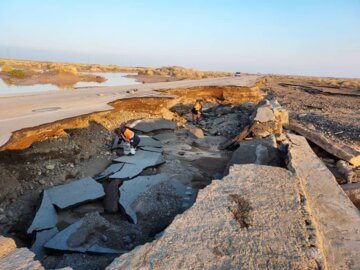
column 196, row 112
column 128, row 136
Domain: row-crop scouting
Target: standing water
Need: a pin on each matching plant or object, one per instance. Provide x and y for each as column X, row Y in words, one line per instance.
column 113, row 79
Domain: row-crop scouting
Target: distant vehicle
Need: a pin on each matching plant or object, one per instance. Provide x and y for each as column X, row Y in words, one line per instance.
column 237, row 74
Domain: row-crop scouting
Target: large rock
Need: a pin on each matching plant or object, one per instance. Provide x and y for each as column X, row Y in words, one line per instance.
column 353, row 192
column 347, row 171
column 148, row 125
column 46, row 216
column 269, row 119
column 252, row 219
column 264, row 123
column 76, row 192
column 264, row 114
column 21, row 258
column 337, row 219
column 7, row 245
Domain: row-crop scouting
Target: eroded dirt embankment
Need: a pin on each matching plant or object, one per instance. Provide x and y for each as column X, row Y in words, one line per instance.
column 133, row 108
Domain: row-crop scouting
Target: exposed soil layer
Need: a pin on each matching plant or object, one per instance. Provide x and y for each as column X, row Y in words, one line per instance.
column 134, row 108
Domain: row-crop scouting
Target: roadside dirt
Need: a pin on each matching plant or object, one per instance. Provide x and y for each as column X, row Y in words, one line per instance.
column 333, row 113
column 153, row 78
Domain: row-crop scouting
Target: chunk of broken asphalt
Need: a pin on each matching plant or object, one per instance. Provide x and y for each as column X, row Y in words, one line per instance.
column 45, row 217
column 143, row 159
column 41, row 238
column 59, row 242
column 76, row 192
column 113, row 168
column 148, row 125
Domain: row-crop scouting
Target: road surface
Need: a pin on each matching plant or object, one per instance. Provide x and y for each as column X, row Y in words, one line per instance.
column 19, row 111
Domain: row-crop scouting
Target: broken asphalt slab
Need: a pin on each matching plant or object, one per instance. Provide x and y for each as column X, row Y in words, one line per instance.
column 41, row 238
column 337, row 219
column 148, row 125
column 165, row 137
column 336, row 148
column 46, row 216
column 151, row 149
column 148, row 141
column 128, row 171
column 143, row 159
column 59, row 242
column 113, row 168
column 134, row 165
column 76, row 192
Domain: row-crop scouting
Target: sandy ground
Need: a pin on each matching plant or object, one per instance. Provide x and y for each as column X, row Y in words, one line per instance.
column 18, row 111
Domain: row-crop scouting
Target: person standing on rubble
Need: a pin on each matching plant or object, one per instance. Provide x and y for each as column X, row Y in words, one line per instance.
column 196, row 112
column 128, row 136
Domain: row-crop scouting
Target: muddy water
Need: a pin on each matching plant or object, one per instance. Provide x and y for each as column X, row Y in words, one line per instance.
column 113, row 79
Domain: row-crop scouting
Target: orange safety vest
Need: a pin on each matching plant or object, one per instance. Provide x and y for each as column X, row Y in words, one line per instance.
column 128, row 134
column 197, row 106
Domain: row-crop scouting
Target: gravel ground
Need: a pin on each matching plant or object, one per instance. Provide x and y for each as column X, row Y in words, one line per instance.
column 336, row 115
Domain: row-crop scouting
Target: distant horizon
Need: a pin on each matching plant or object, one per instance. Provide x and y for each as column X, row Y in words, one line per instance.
column 242, row 71
column 296, row 38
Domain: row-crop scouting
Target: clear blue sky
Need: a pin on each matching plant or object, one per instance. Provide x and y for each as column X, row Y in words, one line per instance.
column 307, row 37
